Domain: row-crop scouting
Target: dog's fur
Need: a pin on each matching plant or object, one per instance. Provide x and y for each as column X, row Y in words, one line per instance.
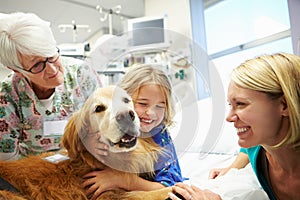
column 103, row 115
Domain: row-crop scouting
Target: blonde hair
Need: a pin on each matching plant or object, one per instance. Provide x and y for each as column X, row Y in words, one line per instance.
column 276, row 75
column 26, row 34
column 143, row 74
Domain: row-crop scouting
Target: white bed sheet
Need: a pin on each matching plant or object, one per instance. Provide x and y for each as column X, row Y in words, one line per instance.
column 235, row 185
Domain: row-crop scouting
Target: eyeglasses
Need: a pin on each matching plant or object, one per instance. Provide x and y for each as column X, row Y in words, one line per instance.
column 40, row 66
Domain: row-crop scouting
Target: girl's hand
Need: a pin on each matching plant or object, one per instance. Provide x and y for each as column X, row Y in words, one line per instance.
column 214, row 173
column 94, row 146
column 98, row 182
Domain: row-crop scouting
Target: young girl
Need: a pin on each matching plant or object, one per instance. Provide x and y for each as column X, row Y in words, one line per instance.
column 151, row 92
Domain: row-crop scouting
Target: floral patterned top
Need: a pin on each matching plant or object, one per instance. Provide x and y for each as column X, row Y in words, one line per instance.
column 22, row 115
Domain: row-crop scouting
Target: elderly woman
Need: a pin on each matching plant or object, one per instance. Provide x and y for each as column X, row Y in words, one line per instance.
column 42, row 91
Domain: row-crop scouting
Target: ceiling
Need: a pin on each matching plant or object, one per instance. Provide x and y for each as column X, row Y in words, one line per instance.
column 81, row 12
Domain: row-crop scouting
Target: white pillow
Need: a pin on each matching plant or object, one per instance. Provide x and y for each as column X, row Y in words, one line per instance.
column 197, row 130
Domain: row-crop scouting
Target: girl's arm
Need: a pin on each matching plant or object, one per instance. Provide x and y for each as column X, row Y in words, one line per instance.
column 98, row 182
column 240, row 162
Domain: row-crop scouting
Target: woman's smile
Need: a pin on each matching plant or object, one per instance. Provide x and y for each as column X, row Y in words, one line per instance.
column 242, row 132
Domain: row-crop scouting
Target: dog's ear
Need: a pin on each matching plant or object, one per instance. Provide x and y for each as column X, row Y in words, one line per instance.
column 70, row 139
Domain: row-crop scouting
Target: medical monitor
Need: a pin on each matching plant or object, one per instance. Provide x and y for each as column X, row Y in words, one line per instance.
column 148, row 32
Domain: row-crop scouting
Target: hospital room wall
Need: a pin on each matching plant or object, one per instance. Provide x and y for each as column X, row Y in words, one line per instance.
column 178, row 14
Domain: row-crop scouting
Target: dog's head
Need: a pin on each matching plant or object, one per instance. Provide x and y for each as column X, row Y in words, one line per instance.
column 108, row 116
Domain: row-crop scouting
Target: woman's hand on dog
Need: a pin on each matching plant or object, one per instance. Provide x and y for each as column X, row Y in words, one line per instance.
column 192, row 193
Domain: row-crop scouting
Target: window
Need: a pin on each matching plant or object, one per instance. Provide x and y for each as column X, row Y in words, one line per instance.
column 233, row 23
column 237, row 30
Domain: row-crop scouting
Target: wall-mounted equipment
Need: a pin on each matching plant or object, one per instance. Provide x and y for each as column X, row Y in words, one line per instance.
column 148, row 32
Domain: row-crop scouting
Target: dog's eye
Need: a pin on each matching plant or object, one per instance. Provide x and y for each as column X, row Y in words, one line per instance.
column 126, row 100
column 100, row 108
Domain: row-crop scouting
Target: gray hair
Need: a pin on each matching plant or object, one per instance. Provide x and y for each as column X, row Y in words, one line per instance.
column 26, row 34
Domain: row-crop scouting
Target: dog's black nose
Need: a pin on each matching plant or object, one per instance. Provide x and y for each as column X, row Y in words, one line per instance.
column 131, row 114
column 125, row 116
column 126, row 123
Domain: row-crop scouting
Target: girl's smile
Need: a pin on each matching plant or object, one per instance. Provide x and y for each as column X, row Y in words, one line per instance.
column 150, row 105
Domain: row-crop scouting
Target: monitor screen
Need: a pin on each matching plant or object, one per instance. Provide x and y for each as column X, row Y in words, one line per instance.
column 148, row 31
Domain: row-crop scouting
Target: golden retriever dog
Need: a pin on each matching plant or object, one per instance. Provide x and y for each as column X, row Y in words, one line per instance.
column 107, row 116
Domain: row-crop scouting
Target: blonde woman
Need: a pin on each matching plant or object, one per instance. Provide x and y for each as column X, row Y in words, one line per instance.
column 264, row 95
